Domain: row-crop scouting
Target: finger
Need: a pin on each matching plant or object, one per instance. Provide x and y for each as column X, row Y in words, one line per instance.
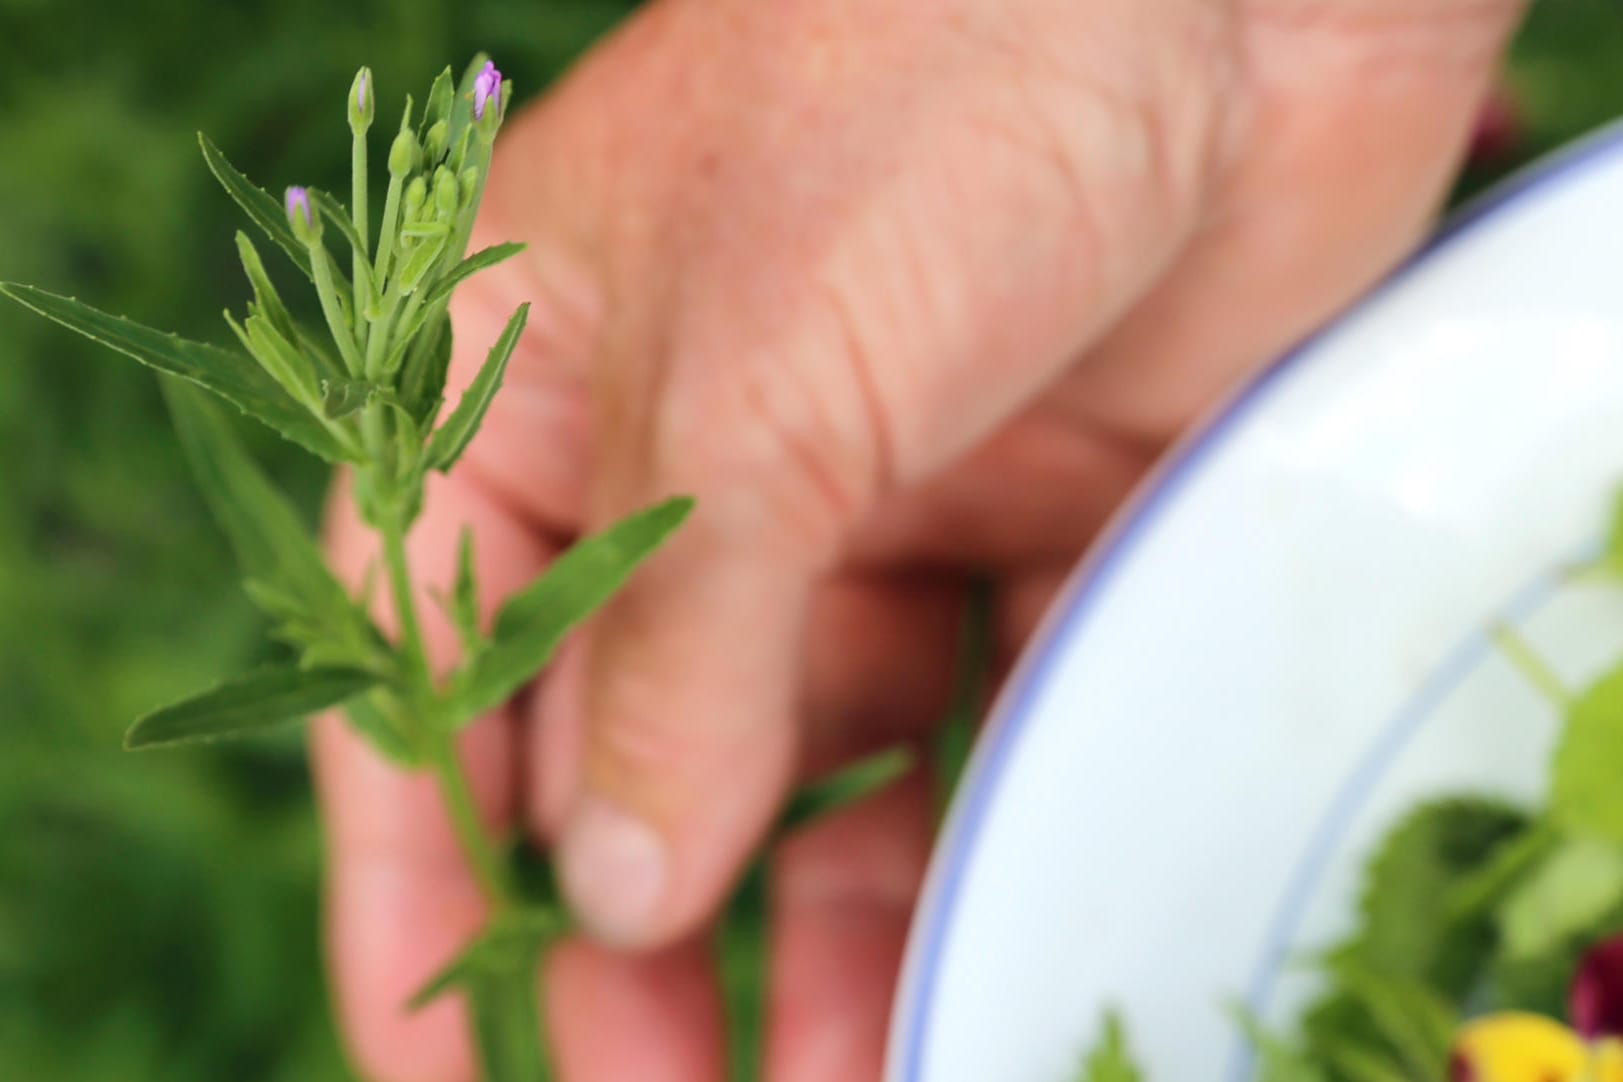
column 881, row 658
column 843, row 894
column 400, row 899
column 689, row 735
column 1070, row 479
column 1361, row 116
column 817, row 350
column 875, row 667
column 653, row 1018
column 1024, row 600
column 880, row 668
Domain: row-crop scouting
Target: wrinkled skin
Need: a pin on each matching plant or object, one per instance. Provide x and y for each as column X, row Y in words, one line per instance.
column 904, row 293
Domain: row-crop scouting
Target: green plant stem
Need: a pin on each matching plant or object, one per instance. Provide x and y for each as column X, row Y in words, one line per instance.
column 379, row 336
column 459, row 243
column 391, row 222
column 358, row 211
column 411, row 639
column 327, row 292
column 391, row 365
column 434, row 738
column 1534, row 669
column 488, row 868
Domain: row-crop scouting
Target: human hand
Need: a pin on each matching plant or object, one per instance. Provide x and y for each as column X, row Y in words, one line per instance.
column 904, row 294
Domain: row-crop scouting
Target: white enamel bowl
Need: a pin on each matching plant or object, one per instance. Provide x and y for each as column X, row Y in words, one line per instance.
column 1281, row 645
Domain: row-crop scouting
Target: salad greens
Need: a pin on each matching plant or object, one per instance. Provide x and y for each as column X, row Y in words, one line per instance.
column 1488, row 943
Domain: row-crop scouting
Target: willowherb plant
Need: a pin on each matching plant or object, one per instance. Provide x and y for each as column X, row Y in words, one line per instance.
column 366, row 390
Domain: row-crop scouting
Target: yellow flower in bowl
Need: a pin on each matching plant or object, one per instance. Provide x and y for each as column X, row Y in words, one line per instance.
column 1518, row 1047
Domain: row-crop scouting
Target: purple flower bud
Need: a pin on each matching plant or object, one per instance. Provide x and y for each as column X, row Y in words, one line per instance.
column 486, row 85
column 1595, row 1007
column 298, row 205
column 362, row 102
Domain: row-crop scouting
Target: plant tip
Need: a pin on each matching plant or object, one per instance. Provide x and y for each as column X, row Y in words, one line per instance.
column 486, row 85
column 362, row 102
column 297, row 202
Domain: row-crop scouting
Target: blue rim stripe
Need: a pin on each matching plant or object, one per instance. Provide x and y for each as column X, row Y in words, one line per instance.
column 1099, row 569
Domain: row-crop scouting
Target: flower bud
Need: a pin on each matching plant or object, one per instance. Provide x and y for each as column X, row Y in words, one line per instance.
column 469, row 183
column 434, row 141
column 416, row 196
column 447, row 196
column 362, row 102
column 403, row 154
column 487, row 87
column 306, row 223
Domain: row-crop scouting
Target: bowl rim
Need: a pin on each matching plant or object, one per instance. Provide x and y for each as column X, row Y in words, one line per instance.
column 1010, row 716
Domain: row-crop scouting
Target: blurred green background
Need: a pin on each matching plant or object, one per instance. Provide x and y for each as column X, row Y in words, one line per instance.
column 158, row 914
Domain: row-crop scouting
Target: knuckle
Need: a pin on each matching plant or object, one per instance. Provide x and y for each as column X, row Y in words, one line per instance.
column 1141, row 103
column 781, row 451
column 1393, row 35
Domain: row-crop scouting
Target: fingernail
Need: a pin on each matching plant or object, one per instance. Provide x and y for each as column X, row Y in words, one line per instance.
column 613, row 868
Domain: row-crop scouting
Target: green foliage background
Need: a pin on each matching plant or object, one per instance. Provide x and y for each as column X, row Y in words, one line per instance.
column 158, row 914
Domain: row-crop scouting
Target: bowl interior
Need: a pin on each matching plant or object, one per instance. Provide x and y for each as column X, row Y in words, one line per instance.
column 1279, row 647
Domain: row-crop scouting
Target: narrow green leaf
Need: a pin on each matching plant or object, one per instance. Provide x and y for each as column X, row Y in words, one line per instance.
column 236, row 378
column 332, row 210
column 248, row 704
column 1277, row 1059
column 1111, row 1060
column 465, row 594
column 264, row 290
column 426, row 230
column 854, row 784
column 976, row 664
column 274, row 546
column 452, row 438
column 259, row 205
column 461, row 115
column 438, row 106
column 1571, row 891
column 1612, row 557
column 1485, row 888
column 532, row 623
column 422, row 382
column 1414, row 1023
column 319, row 348
column 342, row 397
column 1585, row 796
column 1358, row 1063
column 272, row 542
column 478, row 261
column 373, row 715
column 504, row 1009
column 508, row 944
column 292, row 370
column 420, row 259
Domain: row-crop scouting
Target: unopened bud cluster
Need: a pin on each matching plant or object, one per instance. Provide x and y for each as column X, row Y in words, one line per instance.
column 377, row 388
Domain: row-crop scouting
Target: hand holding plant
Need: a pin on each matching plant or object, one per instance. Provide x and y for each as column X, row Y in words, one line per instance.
column 835, row 271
